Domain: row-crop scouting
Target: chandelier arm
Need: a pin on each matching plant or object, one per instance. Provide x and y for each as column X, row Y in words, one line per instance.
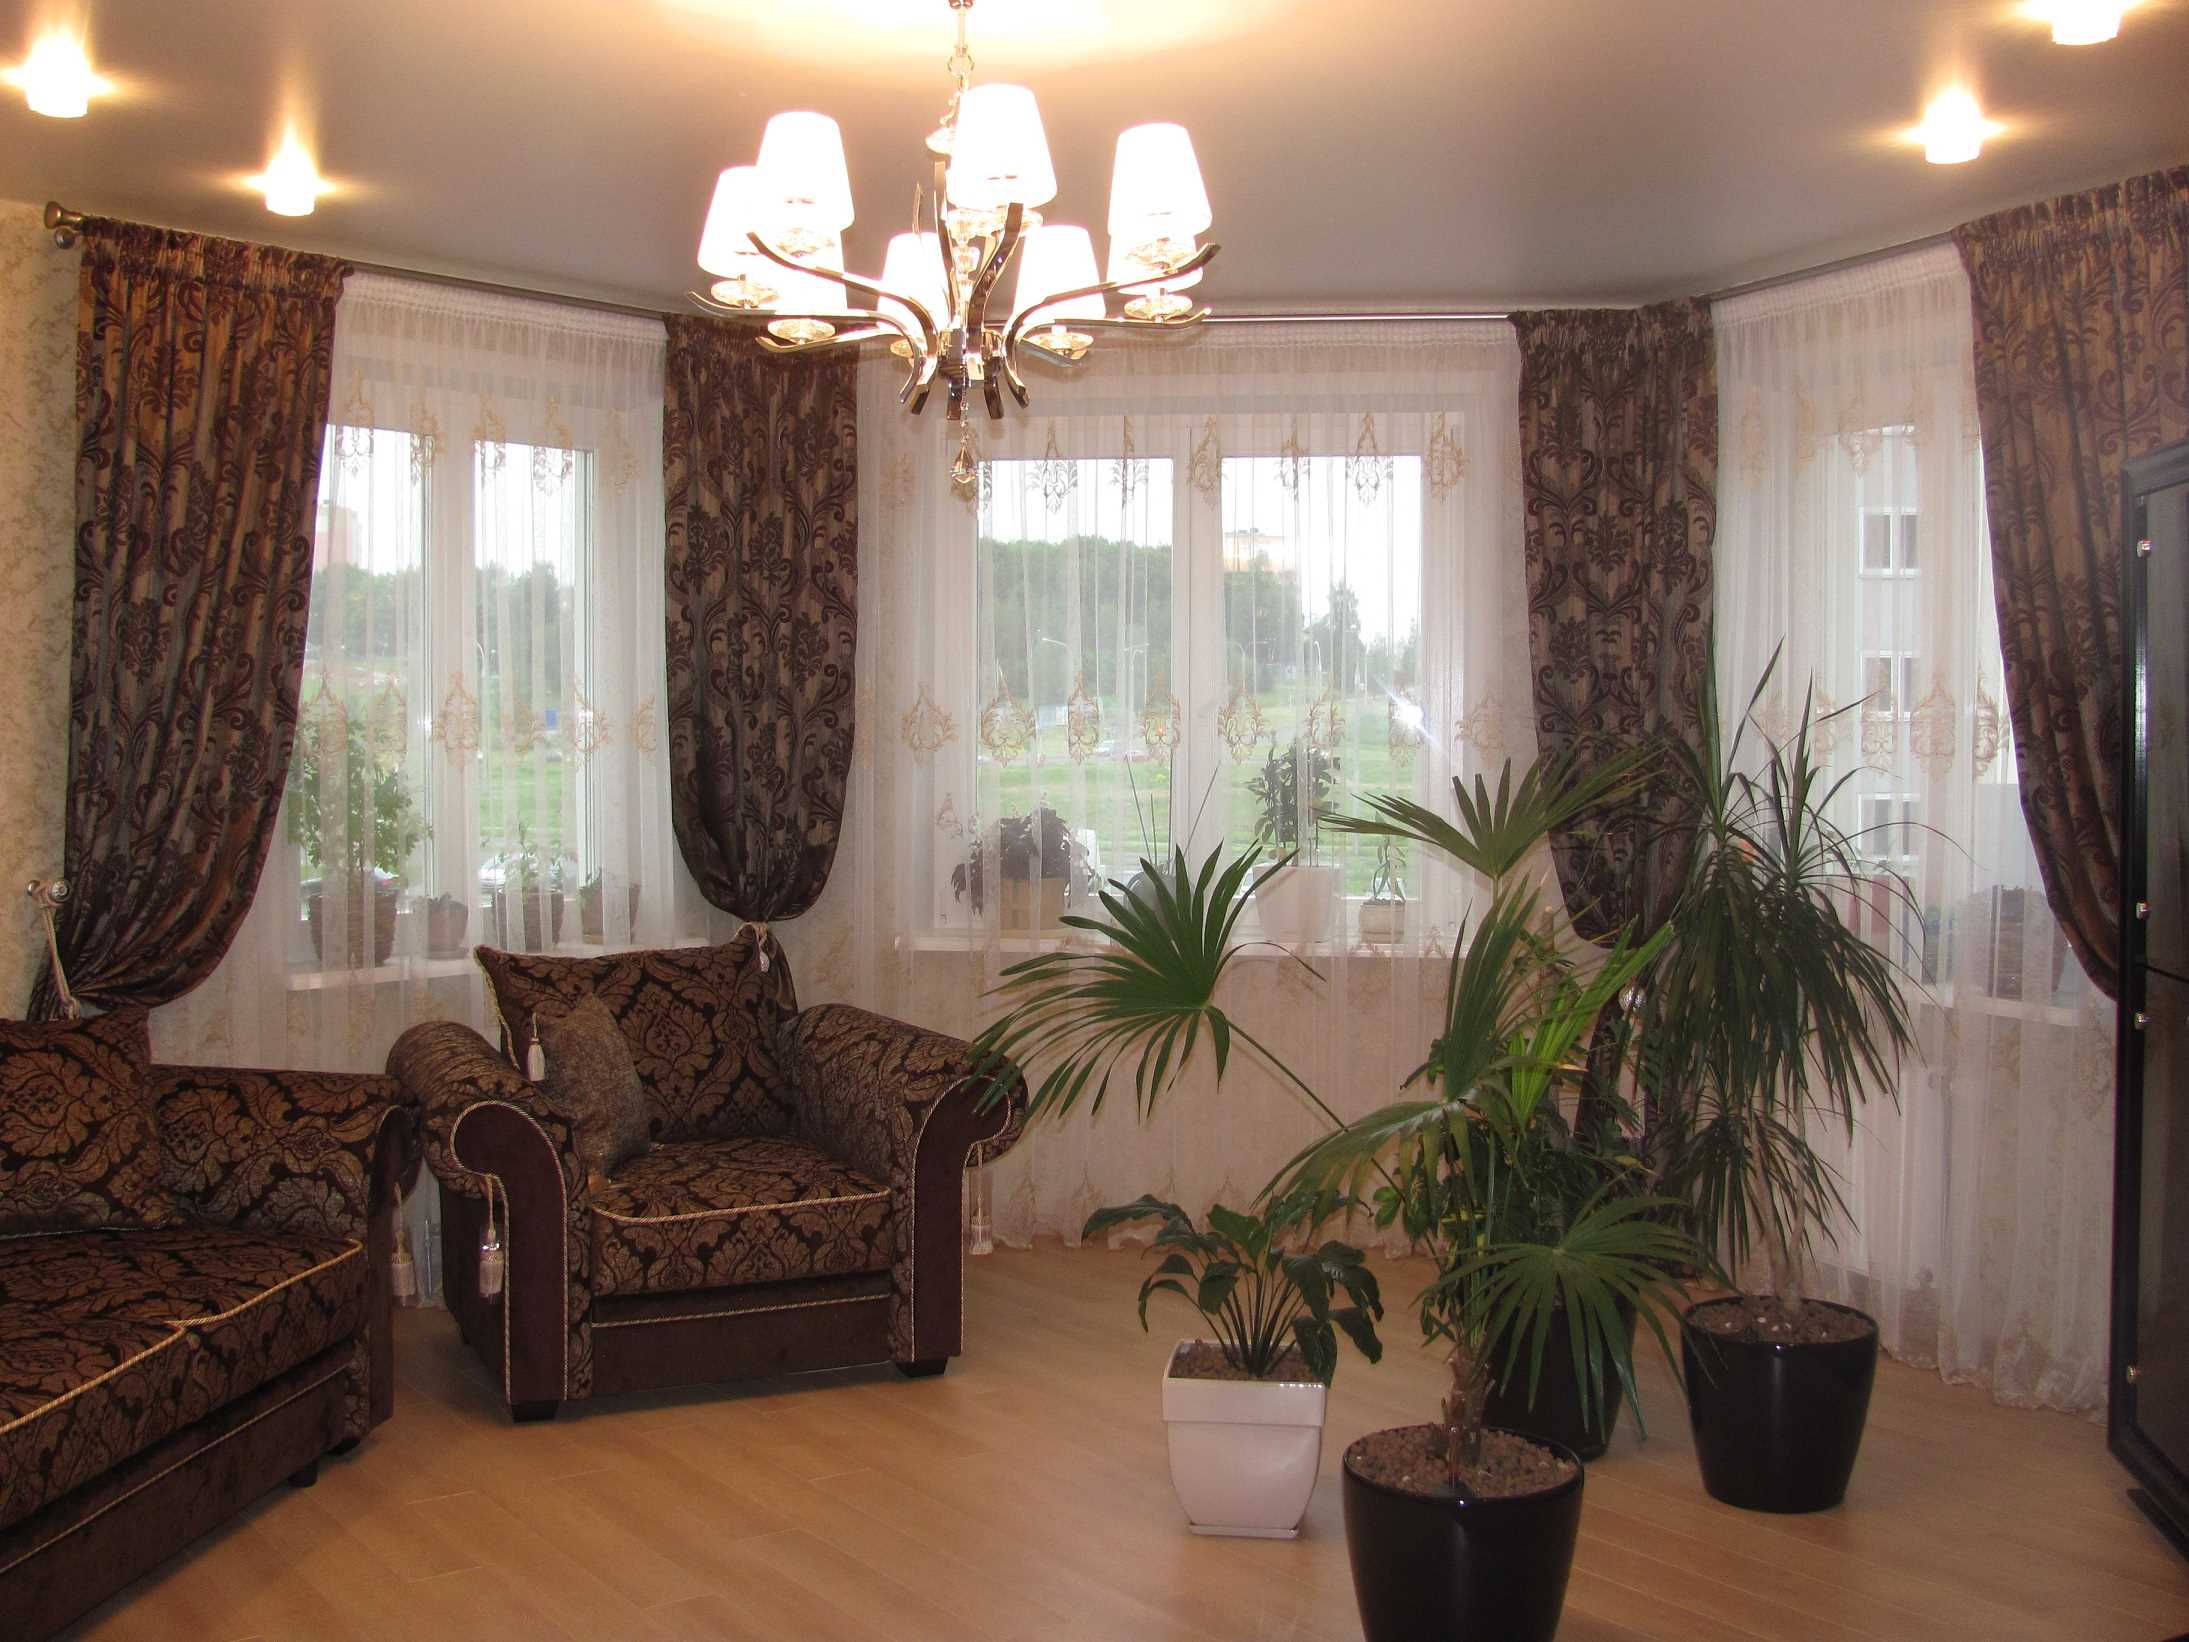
column 925, row 342
column 1200, row 259
column 952, row 281
column 842, row 339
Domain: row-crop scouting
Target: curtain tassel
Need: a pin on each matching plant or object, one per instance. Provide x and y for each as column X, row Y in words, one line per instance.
column 402, row 1270
column 493, row 1263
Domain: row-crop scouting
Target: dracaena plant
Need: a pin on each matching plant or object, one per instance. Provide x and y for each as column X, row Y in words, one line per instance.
column 1259, row 1296
column 1766, row 1016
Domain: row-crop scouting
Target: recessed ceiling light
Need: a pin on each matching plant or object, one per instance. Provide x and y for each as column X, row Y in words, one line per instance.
column 2080, row 22
column 56, row 77
column 1954, row 128
column 291, row 181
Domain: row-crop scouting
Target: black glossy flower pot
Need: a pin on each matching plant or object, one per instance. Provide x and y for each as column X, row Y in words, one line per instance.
column 1777, row 1425
column 1484, row 1570
column 1555, row 1414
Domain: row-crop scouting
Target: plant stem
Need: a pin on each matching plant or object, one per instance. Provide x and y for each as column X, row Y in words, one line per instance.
column 1463, row 1411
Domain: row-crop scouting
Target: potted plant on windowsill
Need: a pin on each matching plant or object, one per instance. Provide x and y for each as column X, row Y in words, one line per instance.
column 1765, row 1015
column 1295, row 902
column 593, row 909
column 361, row 837
column 1039, row 873
column 1243, row 1409
column 532, row 882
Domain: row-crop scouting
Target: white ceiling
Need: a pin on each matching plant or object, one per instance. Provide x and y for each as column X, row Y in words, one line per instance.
column 1378, row 154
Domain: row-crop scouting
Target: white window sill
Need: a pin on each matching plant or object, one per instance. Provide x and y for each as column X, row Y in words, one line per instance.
column 401, row 970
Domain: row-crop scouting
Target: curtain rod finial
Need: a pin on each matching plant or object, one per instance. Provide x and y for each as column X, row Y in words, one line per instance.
column 66, row 225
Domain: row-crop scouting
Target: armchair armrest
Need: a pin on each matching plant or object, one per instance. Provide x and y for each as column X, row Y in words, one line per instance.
column 904, row 1105
column 489, row 1135
column 306, row 1151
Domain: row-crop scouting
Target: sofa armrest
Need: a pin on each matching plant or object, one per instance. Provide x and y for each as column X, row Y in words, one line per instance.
column 323, row 1152
column 489, row 1134
column 906, row 1106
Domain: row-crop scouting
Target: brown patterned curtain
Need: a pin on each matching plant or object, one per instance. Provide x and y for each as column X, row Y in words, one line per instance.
column 760, row 459
column 2082, row 361
column 201, row 403
column 1619, row 472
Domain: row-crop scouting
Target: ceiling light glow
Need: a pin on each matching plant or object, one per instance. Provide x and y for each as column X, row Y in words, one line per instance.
column 56, row 78
column 291, row 180
column 2082, row 22
column 1954, row 128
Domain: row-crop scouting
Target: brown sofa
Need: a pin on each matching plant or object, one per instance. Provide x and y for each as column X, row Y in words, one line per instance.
column 800, row 1207
column 154, row 1381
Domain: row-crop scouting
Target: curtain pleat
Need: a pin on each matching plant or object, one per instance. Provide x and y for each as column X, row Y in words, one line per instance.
column 2081, row 311
column 760, row 465
column 202, row 383
column 1619, row 464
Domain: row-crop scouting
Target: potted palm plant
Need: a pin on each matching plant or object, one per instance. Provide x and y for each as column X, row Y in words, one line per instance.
column 1137, row 1006
column 361, row 836
column 1243, row 1409
column 1766, row 1018
column 1459, row 1527
column 1296, row 900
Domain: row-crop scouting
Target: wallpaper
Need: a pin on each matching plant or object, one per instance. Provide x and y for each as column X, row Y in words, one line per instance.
column 37, row 438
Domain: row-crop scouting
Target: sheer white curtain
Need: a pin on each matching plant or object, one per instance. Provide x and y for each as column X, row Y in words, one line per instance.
column 1851, row 524
column 480, row 752
column 1186, row 559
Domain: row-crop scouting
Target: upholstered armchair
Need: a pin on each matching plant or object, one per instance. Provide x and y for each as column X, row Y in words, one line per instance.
column 800, row 1205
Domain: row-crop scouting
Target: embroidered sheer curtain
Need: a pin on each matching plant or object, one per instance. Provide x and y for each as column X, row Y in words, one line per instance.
column 1852, row 524
column 480, row 756
column 1278, row 541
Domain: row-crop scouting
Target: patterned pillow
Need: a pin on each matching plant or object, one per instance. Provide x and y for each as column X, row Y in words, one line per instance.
column 79, row 1134
column 701, row 1022
column 590, row 1080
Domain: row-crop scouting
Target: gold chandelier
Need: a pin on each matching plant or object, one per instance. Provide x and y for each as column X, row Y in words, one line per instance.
column 773, row 242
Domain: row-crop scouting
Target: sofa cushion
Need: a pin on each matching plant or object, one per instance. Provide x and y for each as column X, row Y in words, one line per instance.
column 700, row 1214
column 111, row 1340
column 591, row 1080
column 701, row 1023
column 79, row 1134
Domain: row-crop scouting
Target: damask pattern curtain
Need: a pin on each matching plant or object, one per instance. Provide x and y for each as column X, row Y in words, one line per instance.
column 2082, row 361
column 480, row 751
column 760, row 467
column 203, row 368
column 1619, row 464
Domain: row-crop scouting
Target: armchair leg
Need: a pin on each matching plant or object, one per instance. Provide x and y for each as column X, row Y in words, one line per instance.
column 305, row 1476
column 348, row 1445
column 923, row 1368
column 532, row 1413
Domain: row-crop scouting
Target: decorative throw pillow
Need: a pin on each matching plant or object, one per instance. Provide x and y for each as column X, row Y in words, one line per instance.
column 590, row 1080
column 79, row 1135
column 701, row 1023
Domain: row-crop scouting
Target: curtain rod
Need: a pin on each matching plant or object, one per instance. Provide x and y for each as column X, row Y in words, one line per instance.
column 65, row 225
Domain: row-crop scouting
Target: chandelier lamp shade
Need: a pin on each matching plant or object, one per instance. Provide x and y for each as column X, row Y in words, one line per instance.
column 772, row 247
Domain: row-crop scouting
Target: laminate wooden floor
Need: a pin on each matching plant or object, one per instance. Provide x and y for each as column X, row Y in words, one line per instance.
column 1023, row 1496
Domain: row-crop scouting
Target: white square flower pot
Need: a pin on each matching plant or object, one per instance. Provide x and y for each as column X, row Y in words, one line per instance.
column 1244, row 1453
